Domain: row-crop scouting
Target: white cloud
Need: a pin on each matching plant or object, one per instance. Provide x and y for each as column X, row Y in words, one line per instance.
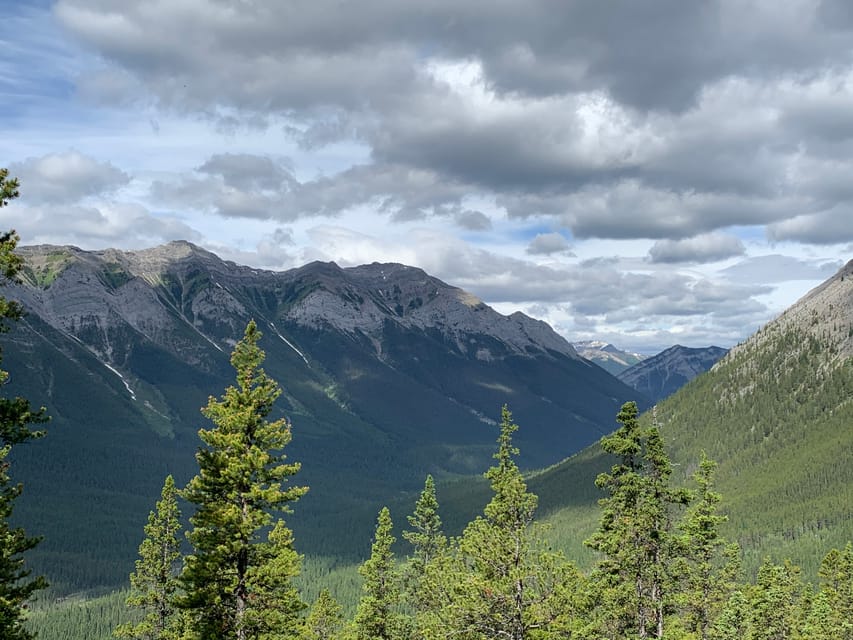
column 66, row 178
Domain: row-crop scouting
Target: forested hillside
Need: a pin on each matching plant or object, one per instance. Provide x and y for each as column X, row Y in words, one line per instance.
column 388, row 374
column 776, row 414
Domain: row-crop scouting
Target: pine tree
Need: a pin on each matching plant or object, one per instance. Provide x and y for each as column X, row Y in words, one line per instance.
column 325, row 620
column 241, row 483
column 154, row 584
column 634, row 535
column 427, row 542
column 734, row 620
column 501, row 580
column 16, row 416
column 706, row 565
column 836, row 581
column 775, row 602
column 376, row 617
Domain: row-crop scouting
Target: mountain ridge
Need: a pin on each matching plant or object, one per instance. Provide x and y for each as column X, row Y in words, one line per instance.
column 387, row 374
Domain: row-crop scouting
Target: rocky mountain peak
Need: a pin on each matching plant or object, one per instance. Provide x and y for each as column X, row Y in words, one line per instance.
column 824, row 314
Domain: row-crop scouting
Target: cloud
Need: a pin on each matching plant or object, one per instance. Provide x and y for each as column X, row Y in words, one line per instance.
column 826, row 227
column 779, row 268
column 110, row 224
column 708, row 247
column 547, row 244
column 664, row 120
column 66, row 178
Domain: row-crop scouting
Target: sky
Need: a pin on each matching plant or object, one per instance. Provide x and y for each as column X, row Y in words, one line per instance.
column 644, row 173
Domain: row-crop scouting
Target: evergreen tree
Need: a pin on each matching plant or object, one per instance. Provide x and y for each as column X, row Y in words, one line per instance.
column 427, row 542
column 634, row 535
column 775, row 602
column 501, row 581
column 836, row 581
column 706, row 565
column 733, row 621
column 376, row 617
column 154, row 584
column 325, row 620
column 16, row 416
column 233, row 577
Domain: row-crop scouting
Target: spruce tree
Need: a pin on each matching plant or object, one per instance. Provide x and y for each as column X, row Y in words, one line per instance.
column 775, row 602
column 242, row 482
column 635, row 531
column 427, row 542
column 376, row 617
column 154, row 584
column 707, row 566
column 325, row 620
column 16, row 418
column 836, row 581
column 501, row 580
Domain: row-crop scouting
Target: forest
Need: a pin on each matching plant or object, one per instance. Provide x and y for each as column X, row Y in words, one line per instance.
column 663, row 568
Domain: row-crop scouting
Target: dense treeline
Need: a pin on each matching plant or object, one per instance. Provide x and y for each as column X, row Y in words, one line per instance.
column 662, row 569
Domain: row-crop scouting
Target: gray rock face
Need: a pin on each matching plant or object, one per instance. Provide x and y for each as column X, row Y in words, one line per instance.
column 606, row 356
column 155, row 290
column 664, row 374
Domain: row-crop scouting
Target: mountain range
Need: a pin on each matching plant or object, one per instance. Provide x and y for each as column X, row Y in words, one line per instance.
column 662, row 375
column 610, row 358
column 388, row 374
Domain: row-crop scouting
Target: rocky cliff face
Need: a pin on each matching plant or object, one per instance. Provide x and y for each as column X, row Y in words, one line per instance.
column 155, row 290
column 607, row 356
column 664, row 374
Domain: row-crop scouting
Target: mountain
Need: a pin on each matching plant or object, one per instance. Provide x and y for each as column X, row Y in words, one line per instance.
column 607, row 356
column 664, row 374
column 776, row 414
column 388, row 374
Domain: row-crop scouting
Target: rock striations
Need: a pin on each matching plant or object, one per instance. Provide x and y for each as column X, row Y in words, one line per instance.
column 387, row 373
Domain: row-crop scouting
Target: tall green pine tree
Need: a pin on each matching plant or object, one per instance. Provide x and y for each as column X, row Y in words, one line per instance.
column 500, row 580
column 16, row 416
column 154, row 584
column 707, row 566
column 427, row 541
column 241, row 484
column 376, row 617
column 635, row 531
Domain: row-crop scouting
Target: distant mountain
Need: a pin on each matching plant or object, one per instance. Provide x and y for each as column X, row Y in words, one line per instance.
column 662, row 375
column 607, row 356
column 776, row 413
column 388, row 374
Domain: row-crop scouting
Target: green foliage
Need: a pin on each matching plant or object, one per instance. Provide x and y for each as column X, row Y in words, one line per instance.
column 499, row 579
column 635, row 534
column 325, row 620
column 16, row 416
column 236, row 584
column 426, row 538
column 705, row 566
column 154, row 584
column 376, row 617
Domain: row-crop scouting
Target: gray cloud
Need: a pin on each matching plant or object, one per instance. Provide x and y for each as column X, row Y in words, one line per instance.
column 663, row 119
column 65, row 178
column 827, row 227
column 547, row 244
column 779, row 268
column 703, row 248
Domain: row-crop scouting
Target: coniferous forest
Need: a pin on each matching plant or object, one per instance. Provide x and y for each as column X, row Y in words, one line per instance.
column 663, row 568
column 218, row 558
